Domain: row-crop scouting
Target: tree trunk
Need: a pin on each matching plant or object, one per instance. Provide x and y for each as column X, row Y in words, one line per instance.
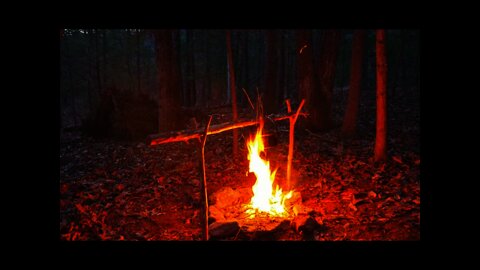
column 350, row 119
column 169, row 80
column 245, row 47
column 104, row 53
column 281, row 76
column 381, row 132
column 307, row 88
column 191, row 94
column 231, row 75
column 139, row 89
column 207, row 83
column 90, row 69
column 71, row 83
column 327, row 65
column 97, row 64
column 128, row 58
column 271, row 65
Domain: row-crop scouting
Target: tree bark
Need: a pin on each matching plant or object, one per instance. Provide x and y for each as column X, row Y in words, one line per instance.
column 231, row 75
column 97, row 63
column 327, row 65
column 307, row 89
column 271, row 66
column 381, row 131
column 139, row 89
column 350, row 119
column 191, row 94
column 104, row 54
column 170, row 93
column 207, row 83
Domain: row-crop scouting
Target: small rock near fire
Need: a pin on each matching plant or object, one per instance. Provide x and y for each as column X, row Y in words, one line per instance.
column 223, row 229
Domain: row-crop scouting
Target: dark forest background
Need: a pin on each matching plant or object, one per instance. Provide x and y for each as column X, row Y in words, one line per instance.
column 109, row 81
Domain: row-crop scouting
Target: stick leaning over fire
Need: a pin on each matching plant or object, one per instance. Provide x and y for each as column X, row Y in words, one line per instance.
column 186, row 135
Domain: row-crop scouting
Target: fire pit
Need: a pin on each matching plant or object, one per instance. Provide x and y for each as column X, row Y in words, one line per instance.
column 257, row 212
column 259, row 209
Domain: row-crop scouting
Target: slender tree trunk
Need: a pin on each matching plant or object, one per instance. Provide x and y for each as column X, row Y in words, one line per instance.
column 97, row 63
column 328, row 60
column 169, row 80
column 89, row 75
column 71, row 83
column 208, row 85
column 105, row 65
column 128, row 59
column 381, row 133
column 307, row 89
column 281, row 78
column 139, row 89
column 245, row 47
column 190, row 81
column 231, row 75
column 350, row 119
column 271, row 65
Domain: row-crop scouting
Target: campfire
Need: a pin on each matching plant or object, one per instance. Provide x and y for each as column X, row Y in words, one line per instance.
column 264, row 208
column 264, row 198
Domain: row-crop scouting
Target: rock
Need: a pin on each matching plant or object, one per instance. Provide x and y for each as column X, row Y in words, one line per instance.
column 223, row 229
column 264, row 228
column 305, row 223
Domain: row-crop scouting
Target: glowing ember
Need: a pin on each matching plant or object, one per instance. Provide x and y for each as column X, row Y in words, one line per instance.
column 264, row 199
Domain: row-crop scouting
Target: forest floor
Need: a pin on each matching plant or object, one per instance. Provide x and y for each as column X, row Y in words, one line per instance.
column 113, row 190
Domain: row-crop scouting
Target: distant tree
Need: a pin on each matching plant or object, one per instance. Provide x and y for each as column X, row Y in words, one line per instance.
column 97, row 62
column 190, row 70
column 231, row 84
column 270, row 101
column 327, row 65
column 381, row 132
column 138, row 34
column 104, row 54
column 350, row 119
column 307, row 88
column 170, row 92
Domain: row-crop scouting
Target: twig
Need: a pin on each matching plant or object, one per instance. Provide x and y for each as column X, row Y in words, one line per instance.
column 249, row 101
column 204, row 183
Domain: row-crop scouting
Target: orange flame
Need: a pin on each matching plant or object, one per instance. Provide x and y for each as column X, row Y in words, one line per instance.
column 264, row 198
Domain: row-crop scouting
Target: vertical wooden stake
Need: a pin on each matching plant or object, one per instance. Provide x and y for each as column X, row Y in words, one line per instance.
column 292, row 119
column 204, row 182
